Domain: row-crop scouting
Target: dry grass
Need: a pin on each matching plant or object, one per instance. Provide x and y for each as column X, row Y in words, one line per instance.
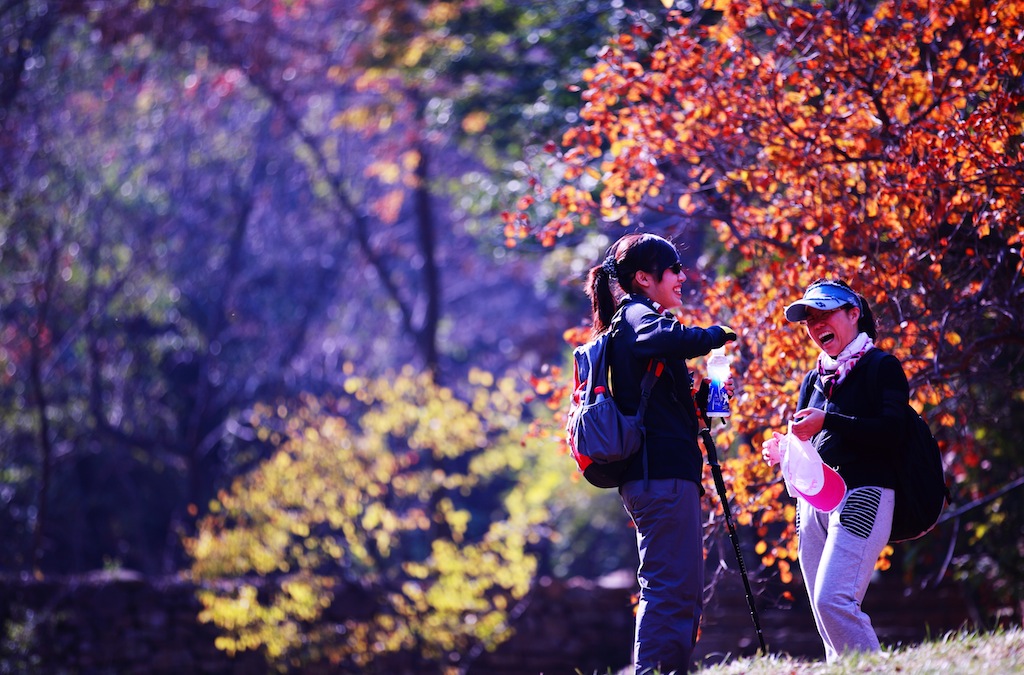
column 956, row 652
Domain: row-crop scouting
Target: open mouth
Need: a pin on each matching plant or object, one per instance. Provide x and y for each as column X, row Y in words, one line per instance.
column 826, row 338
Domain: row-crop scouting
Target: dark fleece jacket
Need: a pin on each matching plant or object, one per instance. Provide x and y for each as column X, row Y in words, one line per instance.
column 643, row 334
column 865, row 419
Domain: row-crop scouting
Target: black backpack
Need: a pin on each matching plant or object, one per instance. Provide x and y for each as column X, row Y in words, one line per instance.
column 921, row 491
column 603, row 440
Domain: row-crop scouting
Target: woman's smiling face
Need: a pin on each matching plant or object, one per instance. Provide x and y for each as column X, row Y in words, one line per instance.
column 832, row 330
column 668, row 291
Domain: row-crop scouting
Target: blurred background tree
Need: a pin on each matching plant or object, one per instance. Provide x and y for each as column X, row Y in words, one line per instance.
column 355, row 494
column 207, row 206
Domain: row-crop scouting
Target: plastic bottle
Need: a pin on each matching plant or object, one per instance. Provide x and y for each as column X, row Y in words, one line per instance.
column 718, row 373
column 598, row 394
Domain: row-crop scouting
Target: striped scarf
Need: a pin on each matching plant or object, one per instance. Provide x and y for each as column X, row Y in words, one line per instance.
column 832, row 372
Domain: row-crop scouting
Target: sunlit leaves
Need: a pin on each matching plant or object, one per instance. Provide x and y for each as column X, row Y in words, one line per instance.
column 373, row 487
column 879, row 145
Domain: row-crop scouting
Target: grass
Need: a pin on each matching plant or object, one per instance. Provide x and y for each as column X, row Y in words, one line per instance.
column 971, row 653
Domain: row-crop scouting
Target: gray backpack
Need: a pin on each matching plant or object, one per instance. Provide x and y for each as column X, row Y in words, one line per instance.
column 604, row 441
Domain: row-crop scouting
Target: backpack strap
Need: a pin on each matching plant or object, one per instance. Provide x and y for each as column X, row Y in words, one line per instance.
column 655, row 367
column 874, row 364
column 654, row 370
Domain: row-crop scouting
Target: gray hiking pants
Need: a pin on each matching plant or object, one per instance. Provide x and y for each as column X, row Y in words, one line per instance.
column 671, row 573
column 838, row 551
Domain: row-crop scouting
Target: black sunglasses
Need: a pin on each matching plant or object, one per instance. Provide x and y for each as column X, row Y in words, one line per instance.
column 676, row 267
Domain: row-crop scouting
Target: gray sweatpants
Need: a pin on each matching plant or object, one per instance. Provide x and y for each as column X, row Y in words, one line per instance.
column 670, row 542
column 838, row 551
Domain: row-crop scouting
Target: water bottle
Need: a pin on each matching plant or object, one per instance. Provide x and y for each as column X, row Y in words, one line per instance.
column 598, row 394
column 718, row 373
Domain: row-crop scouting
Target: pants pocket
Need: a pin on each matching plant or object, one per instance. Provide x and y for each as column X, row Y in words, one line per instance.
column 860, row 510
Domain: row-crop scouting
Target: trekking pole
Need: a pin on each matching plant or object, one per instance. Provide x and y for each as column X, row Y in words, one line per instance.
column 716, row 472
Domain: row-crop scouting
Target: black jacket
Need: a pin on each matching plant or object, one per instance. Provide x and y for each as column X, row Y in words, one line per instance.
column 671, row 419
column 865, row 421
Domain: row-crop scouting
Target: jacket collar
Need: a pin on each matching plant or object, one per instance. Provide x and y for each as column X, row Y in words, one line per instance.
column 643, row 299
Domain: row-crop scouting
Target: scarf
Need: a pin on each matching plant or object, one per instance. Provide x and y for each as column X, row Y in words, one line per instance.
column 832, row 372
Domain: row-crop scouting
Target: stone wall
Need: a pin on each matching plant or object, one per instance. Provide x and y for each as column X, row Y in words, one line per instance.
column 123, row 624
column 109, row 624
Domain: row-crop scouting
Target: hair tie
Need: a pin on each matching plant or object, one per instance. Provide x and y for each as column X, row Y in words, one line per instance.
column 609, row 266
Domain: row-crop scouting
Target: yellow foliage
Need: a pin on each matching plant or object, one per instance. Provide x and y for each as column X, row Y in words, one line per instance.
column 357, row 495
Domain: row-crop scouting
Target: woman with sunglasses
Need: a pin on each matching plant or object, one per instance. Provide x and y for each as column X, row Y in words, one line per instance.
column 665, row 504
column 855, row 420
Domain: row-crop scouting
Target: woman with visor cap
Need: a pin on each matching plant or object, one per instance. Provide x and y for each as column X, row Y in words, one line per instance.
column 856, row 423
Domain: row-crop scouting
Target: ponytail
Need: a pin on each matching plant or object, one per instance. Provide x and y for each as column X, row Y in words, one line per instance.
column 866, row 322
column 602, row 300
